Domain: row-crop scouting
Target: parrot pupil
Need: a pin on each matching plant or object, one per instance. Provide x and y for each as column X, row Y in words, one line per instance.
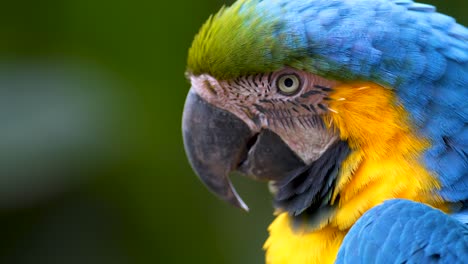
column 288, row 82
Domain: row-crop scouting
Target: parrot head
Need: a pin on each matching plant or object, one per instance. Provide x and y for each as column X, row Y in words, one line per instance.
column 283, row 92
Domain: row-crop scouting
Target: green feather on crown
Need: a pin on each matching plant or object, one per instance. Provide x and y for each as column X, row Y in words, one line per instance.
column 241, row 40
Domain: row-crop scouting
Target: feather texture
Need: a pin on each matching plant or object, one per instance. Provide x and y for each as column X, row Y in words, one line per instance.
column 402, row 231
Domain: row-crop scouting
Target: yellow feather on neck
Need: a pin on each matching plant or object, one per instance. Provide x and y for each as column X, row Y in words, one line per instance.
column 300, row 246
column 384, row 164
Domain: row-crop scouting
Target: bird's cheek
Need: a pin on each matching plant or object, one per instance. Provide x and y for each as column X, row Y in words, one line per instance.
column 308, row 143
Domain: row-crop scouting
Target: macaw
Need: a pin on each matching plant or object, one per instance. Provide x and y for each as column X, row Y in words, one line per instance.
column 354, row 111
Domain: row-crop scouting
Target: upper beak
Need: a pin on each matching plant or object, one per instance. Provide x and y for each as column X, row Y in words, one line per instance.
column 215, row 141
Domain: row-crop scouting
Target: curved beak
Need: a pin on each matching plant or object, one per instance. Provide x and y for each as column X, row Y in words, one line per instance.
column 215, row 141
column 218, row 142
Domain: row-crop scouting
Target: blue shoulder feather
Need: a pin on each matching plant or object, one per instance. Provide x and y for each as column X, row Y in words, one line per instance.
column 402, row 231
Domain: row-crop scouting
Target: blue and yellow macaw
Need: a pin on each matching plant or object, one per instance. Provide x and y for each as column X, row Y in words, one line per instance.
column 356, row 114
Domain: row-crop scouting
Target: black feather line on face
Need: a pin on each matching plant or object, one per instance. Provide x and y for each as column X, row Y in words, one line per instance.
column 307, row 189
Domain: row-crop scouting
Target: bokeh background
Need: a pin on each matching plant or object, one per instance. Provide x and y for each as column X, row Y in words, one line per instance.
column 92, row 166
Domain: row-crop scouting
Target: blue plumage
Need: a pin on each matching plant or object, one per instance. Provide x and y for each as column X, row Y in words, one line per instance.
column 402, row 231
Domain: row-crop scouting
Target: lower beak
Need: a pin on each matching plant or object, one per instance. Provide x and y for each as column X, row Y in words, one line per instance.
column 218, row 142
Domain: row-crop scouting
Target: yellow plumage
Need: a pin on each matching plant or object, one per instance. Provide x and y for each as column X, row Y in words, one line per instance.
column 299, row 246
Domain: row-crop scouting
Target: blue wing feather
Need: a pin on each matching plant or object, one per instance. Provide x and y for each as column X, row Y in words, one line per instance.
column 402, row 231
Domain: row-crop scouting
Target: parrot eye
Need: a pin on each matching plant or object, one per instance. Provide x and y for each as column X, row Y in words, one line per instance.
column 288, row 84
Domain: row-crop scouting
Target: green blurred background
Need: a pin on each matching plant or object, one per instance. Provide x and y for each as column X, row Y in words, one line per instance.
column 92, row 166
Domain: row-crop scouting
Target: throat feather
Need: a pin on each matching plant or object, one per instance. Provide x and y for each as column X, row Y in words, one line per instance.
column 306, row 192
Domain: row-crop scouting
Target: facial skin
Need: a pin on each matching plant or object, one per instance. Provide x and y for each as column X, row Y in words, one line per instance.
column 259, row 101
